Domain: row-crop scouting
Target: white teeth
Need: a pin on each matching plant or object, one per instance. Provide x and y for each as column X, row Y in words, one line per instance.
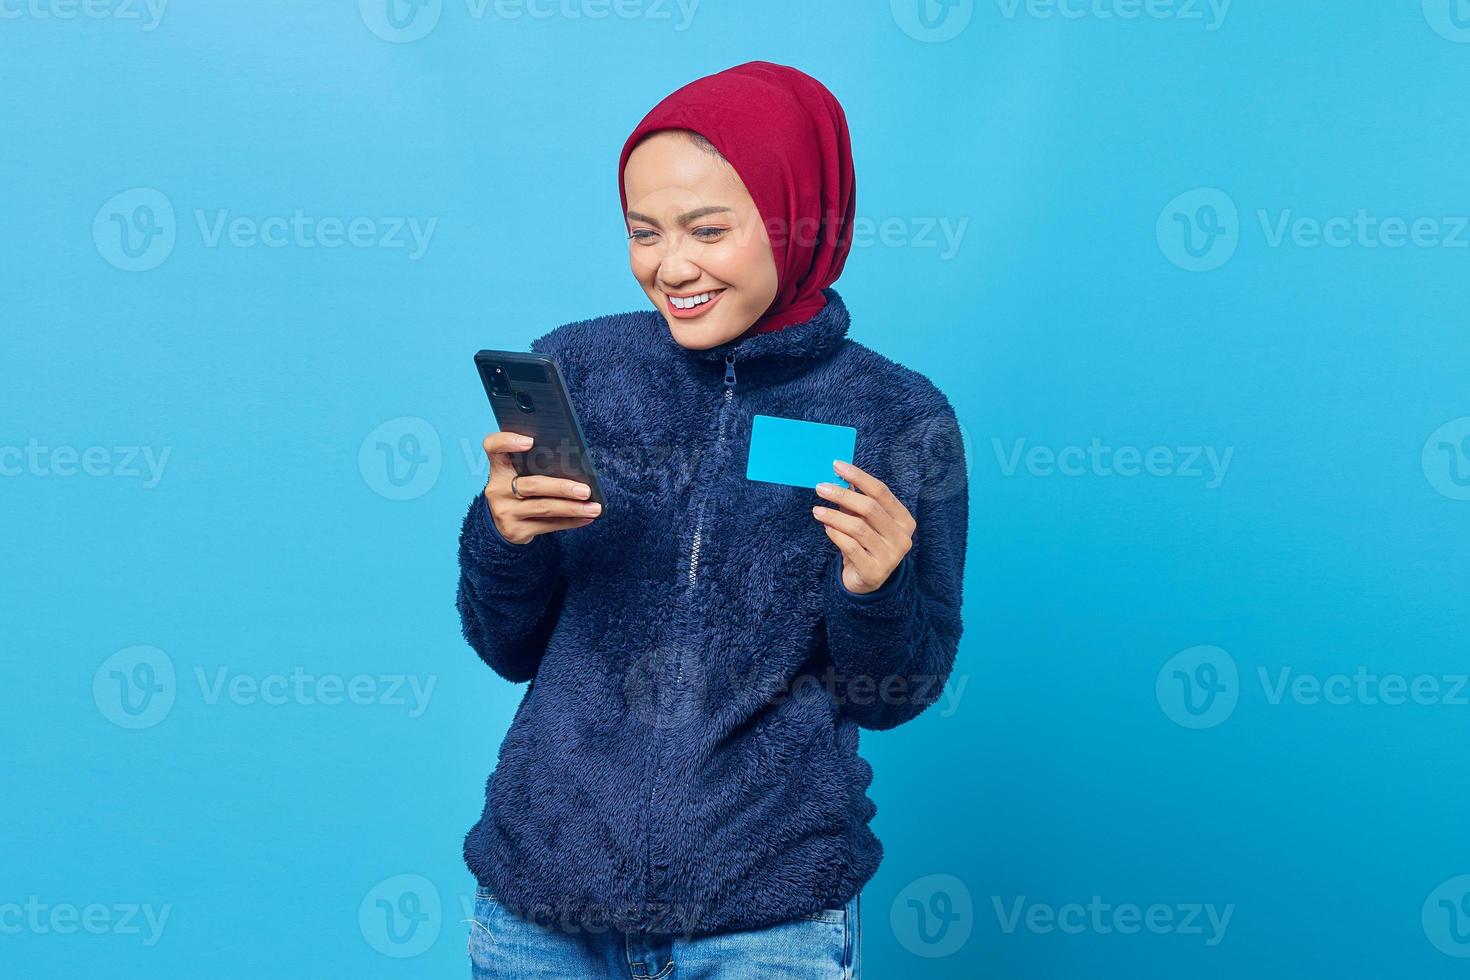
column 690, row 302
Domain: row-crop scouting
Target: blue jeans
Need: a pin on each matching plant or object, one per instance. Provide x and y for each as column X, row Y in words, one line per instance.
column 822, row 946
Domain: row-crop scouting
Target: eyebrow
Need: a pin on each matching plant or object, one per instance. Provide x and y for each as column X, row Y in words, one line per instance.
column 684, row 218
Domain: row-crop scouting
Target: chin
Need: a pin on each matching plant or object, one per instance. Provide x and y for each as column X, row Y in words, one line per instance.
column 696, row 335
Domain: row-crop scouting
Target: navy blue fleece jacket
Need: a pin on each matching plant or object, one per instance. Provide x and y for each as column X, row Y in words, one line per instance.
column 685, row 758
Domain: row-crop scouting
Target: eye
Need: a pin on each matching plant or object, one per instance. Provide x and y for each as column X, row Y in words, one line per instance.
column 643, row 235
column 709, row 233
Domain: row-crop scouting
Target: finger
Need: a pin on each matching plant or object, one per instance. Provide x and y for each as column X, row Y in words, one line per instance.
column 846, row 544
column 549, row 486
column 852, row 526
column 557, row 507
column 507, row 442
column 878, row 490
column 861, row 505
column 544, row 525
column 866, row 564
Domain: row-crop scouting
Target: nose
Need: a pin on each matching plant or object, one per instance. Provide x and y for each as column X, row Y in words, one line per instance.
column 676, row 268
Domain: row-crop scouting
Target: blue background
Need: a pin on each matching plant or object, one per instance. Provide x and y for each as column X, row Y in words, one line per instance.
column 1071, row 766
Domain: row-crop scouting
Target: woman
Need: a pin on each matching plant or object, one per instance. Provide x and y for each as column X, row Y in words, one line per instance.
column 681, row 783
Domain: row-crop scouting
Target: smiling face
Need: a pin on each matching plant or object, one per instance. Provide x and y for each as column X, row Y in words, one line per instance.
column 696, row 243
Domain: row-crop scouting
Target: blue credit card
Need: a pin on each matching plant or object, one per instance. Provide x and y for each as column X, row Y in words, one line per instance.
column 796, row 452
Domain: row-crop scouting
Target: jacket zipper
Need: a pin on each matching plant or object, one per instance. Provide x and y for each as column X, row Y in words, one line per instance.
column 719, row 440
column 693, row 575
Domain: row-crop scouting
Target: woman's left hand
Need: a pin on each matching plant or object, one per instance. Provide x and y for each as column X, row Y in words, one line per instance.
column 872, row 529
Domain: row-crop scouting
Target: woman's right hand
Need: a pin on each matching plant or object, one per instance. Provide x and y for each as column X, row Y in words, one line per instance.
column 550, row 503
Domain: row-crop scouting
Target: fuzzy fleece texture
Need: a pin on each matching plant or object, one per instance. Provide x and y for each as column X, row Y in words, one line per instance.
column 685, row 758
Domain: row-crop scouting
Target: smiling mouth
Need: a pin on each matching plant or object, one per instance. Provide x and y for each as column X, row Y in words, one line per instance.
column 694, row 303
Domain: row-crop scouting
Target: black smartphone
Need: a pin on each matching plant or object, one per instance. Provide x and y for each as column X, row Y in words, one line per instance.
column 529, row 396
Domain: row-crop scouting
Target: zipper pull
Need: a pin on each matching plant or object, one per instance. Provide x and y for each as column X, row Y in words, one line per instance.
column 730, row 369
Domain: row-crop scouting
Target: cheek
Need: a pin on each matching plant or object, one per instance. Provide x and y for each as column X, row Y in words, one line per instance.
column 643, row 263
column 761, row 262
column 740, row 264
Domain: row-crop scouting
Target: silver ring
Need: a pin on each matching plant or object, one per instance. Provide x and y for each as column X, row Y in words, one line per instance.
column 514, row 492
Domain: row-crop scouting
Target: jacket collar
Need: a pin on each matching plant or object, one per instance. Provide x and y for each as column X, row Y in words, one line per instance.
column 780, row 353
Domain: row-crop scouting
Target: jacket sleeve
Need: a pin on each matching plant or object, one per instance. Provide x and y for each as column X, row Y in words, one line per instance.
column 893, row 648
column 510, row 594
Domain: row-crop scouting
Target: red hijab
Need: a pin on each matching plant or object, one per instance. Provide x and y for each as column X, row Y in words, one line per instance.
column 786, row 136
